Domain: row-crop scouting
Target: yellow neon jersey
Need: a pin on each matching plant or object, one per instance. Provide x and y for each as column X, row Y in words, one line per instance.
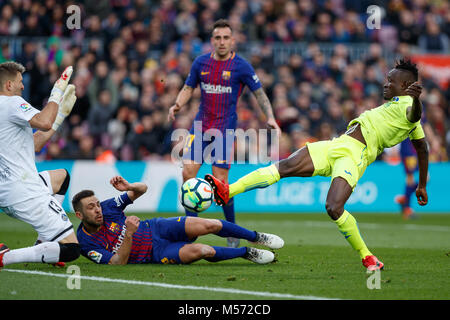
column 387, row 125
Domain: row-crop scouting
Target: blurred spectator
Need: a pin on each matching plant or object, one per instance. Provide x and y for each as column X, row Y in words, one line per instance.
column 102, row 80
column 99, row 116
column 317, row 61
column 433, row 39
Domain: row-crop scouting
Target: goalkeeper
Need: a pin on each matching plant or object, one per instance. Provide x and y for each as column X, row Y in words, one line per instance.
column 345, row 158
column 22, row 194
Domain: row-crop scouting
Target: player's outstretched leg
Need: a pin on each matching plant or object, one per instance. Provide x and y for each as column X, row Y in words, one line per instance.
column 46, row 252
column 195, row 227
column 260, row 178
column 299, row 164
column 196, row 251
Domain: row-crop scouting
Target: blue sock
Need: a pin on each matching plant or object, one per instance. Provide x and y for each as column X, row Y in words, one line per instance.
column 408, row 192
column 228, row 211
column 190, row 213
column 225, row 253
column 230, row 229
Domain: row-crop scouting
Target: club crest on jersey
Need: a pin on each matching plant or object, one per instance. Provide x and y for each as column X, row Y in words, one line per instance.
column 226, row 75
column 114, row 227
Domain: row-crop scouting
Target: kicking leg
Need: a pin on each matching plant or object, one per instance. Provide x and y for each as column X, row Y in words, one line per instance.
column 299, row 164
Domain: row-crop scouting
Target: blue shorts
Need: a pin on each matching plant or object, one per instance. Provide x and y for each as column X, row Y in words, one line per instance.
column 216, row 150
column 169, row 236
column 409, row 156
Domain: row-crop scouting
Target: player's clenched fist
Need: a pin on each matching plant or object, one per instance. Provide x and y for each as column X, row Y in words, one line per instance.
column 414, row 90
column 60, row 86
column 132, row 224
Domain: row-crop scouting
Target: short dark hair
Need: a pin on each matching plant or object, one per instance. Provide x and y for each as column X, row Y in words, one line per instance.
column 76, row 200
column 221, row 23
column 407, row 65
column 9, row 70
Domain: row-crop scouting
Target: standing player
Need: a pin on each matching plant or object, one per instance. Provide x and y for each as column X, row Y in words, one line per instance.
column 222, row 75
column 345, row 158
column 107, row 236
column 22, row 193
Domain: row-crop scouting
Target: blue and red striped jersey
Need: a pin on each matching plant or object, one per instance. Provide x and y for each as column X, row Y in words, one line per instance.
column 103, row 244
column 221, row 84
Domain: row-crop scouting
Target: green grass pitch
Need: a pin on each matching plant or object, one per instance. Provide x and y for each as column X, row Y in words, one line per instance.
column 316, row 262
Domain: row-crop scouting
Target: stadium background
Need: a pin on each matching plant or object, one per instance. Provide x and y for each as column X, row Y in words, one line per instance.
column 318, row 62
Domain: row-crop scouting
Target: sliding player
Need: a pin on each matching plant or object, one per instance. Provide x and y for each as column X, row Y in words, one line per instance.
column 107, row 236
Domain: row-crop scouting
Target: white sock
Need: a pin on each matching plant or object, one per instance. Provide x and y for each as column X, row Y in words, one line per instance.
column 46, row 252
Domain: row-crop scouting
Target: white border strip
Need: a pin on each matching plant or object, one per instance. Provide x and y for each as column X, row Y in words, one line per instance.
column 175, row 286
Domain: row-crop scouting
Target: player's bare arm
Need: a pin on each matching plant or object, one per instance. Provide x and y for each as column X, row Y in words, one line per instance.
column 134, row 190
column 41, row 138
column 183, row 97
column 414, row 112
column 122, row 255
column 44, row 120
column 266, row 106
column 422, row 156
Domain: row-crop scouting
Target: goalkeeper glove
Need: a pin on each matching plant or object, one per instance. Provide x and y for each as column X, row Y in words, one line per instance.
column 66, row 105
column 60, row 86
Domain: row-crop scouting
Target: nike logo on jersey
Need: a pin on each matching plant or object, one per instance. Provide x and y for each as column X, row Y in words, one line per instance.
column 348, row 172
column 204, row 73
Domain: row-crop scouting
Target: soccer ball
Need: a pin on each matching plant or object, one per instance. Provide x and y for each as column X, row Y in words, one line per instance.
column 196, row 195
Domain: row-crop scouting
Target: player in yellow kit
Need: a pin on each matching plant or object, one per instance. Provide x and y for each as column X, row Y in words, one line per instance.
column 345, row 158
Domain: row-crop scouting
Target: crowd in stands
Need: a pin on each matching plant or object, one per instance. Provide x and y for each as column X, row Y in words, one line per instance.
column 131, row 58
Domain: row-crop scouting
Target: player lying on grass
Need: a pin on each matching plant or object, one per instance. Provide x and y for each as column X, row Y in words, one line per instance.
column 345, row 158
column 107, row 236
